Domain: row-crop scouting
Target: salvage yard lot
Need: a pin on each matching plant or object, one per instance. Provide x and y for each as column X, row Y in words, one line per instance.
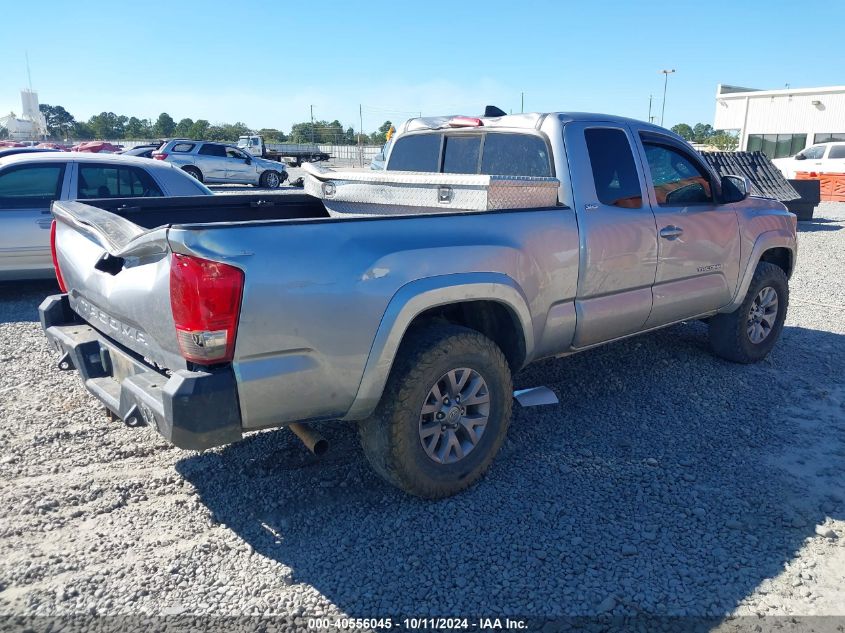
column 666, row 481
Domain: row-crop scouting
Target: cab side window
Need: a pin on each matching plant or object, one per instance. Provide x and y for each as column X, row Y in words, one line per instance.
column 676, row 178
column 31, row 186
column 614, row 171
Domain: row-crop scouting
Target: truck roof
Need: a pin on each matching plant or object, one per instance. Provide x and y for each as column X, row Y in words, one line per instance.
column 528, row 120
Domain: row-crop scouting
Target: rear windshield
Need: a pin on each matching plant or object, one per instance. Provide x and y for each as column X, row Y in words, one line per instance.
column 515, row 155
column 420, row 152
column 491, row 153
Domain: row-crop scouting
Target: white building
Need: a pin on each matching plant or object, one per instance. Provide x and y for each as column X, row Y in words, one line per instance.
column 781, row 122
column 32, row 125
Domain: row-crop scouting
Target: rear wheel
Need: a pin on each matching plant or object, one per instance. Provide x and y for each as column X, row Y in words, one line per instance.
column 444, row 412
column 193, row 171
column 749, row 333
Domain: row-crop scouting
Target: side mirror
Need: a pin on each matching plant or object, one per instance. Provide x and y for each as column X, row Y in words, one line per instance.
column 800, row 157
column 735, row 188
column 248, row 160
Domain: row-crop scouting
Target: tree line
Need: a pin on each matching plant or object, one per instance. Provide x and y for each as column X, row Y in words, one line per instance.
column 62, row 125
column 705, row 134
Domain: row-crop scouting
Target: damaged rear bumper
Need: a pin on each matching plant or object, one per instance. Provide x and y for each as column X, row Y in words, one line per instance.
column 191, row 409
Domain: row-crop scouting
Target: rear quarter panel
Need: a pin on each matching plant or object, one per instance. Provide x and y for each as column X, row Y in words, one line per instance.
column 316, row 293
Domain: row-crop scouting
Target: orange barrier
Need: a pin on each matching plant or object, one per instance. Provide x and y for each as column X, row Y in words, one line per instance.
column 832, row 186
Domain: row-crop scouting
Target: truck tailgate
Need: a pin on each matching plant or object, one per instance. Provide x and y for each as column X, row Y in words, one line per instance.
column 117, row 276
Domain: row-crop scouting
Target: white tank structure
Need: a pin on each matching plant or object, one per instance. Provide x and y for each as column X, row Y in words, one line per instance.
column 31, row 112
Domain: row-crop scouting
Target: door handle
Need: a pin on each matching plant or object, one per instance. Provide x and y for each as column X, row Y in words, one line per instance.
column 671, row 232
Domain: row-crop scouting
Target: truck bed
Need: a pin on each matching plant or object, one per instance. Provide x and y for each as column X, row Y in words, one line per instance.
column 150, row 213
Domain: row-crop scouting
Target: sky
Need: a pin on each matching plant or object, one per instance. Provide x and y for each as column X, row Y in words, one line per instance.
column 267, row 63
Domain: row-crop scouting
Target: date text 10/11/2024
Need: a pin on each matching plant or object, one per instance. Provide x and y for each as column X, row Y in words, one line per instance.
column 417, row 624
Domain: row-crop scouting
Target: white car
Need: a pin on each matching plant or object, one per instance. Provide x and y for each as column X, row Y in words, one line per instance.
column 29, row 183
column 824, row 158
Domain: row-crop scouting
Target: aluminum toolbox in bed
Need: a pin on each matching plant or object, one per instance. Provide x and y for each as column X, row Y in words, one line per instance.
column 367, row 192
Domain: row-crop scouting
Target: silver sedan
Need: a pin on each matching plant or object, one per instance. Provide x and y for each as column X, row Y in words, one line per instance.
column 29, row 183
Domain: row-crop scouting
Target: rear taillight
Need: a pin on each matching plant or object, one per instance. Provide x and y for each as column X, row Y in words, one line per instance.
column 58, row 270
column 205, row 298
column 159, row 155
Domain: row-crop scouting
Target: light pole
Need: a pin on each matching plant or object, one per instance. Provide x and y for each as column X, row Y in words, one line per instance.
column 666, row 74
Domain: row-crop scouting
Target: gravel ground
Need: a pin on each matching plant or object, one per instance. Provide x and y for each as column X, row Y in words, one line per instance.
column 666, row 482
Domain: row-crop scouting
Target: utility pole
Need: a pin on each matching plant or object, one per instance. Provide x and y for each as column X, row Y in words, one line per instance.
column 522, row 102
column 650, row 97
column 28, row 74
column 666, row 74
column 360, row 133
column 312, row 125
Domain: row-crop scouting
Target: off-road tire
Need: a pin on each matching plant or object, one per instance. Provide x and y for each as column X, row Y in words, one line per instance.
column 193, row 171
column 390, row 438
column 729, row 336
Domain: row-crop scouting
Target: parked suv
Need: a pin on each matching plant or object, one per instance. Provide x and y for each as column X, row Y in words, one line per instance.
column 222, row 163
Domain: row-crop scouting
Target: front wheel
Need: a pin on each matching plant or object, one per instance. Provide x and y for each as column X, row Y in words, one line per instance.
column 444, row 412
column 749, row 333
column 270, row 180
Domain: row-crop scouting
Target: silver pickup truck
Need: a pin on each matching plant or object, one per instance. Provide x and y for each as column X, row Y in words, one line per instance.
column 212, row 317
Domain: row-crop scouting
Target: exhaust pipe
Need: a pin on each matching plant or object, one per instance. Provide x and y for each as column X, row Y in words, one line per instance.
column 313, row 441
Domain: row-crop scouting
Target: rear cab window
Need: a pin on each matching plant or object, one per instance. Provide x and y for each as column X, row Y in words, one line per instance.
column 508, row 154
column 418, row 152
column 31, row 185
column 461, row 154
column 490, row 153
